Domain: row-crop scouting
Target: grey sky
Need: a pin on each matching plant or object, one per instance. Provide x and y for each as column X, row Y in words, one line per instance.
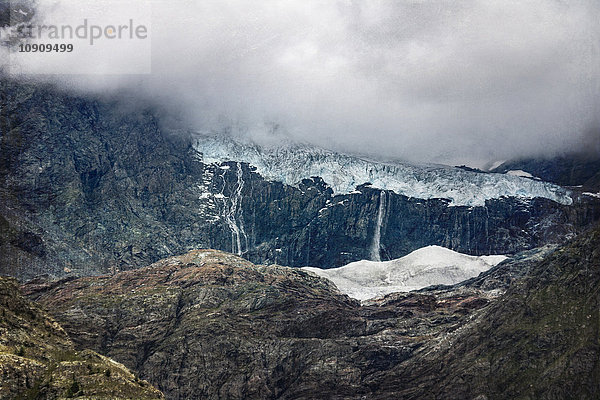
column 442, row 81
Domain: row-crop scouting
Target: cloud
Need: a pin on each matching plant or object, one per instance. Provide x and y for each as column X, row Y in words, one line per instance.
column 436, row 81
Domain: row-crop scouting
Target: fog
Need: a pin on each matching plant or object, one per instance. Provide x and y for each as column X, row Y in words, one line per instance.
column 428, row 81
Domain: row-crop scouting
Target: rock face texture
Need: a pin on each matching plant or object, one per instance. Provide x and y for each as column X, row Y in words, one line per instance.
column 541, row 340
column 89, row 186
column 212, row 325
column 39, row 361
column 577, row 169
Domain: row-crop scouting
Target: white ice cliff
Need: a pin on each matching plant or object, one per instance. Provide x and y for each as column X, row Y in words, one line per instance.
column 290, row 163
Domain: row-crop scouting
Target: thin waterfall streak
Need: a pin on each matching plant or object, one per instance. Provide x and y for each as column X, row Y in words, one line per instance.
column 376, row 244
column 241, row 232
column 233, row 212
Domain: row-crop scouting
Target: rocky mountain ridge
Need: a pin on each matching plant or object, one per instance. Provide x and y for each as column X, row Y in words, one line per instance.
column 89, row 186
column 579, row 169
column 212, row 325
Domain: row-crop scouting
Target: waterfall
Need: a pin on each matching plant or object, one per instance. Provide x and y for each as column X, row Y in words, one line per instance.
column 238, row 210
column 376, row 244
column 233, row 213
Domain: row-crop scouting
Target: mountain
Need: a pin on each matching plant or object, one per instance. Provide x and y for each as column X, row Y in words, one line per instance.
column 212, row 325
column 38, row 360
column 574, row 169
column 15, row 12
column 207, row 324
column 540, row 340
column 428, row 266
column 91, row 186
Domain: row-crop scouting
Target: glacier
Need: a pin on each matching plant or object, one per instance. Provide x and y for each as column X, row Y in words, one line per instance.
column 427, row 266
column 290, row 162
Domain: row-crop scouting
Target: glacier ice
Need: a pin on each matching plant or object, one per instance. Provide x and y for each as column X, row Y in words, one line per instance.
column 291, row 162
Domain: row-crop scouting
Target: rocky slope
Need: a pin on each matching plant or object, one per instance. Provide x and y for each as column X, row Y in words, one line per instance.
column 89, row 186
column 39, row 361
column 213, row 325
column 575, row 169
column 541, row 340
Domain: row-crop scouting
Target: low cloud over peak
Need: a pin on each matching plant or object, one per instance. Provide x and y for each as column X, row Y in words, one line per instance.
column 441, row 81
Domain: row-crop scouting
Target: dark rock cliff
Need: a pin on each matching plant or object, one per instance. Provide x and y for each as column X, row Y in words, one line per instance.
column 90, row 186
column 541, row 340
column 575, row 169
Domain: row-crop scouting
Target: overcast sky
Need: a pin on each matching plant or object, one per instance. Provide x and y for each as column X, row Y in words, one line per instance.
column 430, row 81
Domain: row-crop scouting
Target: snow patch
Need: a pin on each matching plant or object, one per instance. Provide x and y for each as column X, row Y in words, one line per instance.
column 431, row 265
column 494, row 165
column 519, row 172
column 597, row 195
